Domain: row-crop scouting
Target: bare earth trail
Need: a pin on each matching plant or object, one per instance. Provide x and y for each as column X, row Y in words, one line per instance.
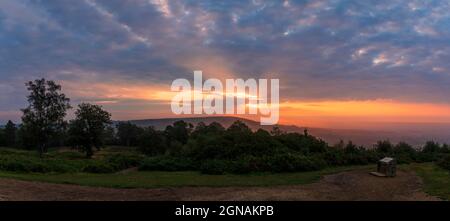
column 352, row 185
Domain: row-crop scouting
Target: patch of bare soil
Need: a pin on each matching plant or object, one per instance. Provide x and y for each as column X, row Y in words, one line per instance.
column 352, row 185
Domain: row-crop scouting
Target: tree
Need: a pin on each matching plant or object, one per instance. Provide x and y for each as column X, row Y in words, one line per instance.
column 109, row 136
column 384, row 146
column 87, row 129
column 276, row 131
column 239, row 127
column 152, row 142
column 2, row 137
column 10, row 134
column 201, row 129
column 431, row 147
column 128, row 133
column 179, row 132
column 44, row 116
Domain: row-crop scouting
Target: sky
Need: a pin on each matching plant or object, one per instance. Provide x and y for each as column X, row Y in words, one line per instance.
column 340, row 62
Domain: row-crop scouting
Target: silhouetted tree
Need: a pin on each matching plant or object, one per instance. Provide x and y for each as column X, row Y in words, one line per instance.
column 445, row 148
column 340, row 145
column 207, row 130
column 152, row 142
column 109, row 136
column 403, row 147
column 10, row 134
column 239, row 127
column 44, row 116
column 179, row 132
column 87, row 129
column 350, row 147
column 276, row 131
column 384, row 146
column 128, row 133
column 431, row 147
column 2, row 137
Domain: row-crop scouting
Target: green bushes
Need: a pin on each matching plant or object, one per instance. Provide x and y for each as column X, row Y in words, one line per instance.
column 22, row 165
column 243, row 165
column 294, row 163
column 18, row 163
column 65, row 162
column 113, row 163
column 123, row 161
column 215, row 167
column 167, row 163
column 99, row 167
column 445, row 162
column 213, row 149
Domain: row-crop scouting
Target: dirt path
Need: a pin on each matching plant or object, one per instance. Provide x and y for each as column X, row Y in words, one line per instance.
column 353, row 185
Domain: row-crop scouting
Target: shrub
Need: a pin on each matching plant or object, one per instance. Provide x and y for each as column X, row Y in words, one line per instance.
column 215, row 167
column 403, row 158
column 99, row 167
column 248, row 164
column 22, row 163
column 445, row 162
column 334, row 158
column 123, row 161
column 294, row 163
column 166, row 163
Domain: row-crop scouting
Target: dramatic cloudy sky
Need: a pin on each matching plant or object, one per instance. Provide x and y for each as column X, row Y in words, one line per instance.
column 337, row 60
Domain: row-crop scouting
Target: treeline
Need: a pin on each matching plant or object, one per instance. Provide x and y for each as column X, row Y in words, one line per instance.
column 214, row 149
column 211, row 148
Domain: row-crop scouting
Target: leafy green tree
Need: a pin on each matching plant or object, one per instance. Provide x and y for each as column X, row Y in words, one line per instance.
column 109, row 136
column 239, row 127
column 445, row 148
column 2, row 137
column 152, row 142
column 276, row 131
column 431, row 147
column 87, row 129
column 128, row 133
column 207, row 130
column 10, row 134
column 44, row 116
column 350, row 147
column 384, row 146
column 339, row 145
column 403, row 147
column 179, row 132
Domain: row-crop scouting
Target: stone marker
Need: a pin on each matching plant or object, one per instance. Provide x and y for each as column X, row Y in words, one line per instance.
column 386, row 167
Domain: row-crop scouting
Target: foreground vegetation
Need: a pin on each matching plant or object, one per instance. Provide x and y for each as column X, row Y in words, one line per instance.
column 125, row 167
column 153, row 179
column 436, row 180
column 66, row 160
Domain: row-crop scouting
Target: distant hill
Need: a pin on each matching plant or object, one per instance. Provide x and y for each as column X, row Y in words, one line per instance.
column 332, row 136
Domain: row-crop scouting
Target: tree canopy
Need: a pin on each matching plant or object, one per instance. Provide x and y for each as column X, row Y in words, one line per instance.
column 44, row 116
column 87, row 129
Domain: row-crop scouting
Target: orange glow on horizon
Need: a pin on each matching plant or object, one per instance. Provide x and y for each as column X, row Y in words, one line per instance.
column 304, row 113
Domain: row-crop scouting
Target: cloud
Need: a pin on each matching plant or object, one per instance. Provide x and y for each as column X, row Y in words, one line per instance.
column 320, row 50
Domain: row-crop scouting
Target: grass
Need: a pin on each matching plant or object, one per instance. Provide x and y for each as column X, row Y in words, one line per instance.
column 66, row 160
column 436, row 180
column 143, row 179
column 67, row 166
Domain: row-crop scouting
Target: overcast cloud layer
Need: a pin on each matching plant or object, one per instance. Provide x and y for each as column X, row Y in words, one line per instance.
column 320, row 50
